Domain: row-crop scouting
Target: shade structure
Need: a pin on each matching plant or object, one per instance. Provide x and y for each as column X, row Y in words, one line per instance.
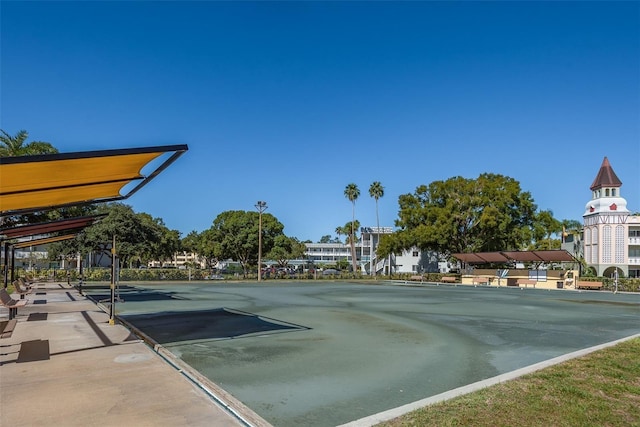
column 540, row 256
column 71, row 226
column 43, row 241
column 32, row 183
column 67, row 224
column 518, row 256
column 481, row 257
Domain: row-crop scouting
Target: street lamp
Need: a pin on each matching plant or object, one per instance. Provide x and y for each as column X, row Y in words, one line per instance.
column 261, row 206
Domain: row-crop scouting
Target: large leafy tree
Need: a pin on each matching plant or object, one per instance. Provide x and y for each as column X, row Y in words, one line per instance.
column 139, row 237
column 285, row 249
column 325, row 239
column 544, row 228
column 191, row 242
column 489, row 213
column 234, row 235
column 209, row 247
column 17, row 145
column 164, row 242
column 352, row 192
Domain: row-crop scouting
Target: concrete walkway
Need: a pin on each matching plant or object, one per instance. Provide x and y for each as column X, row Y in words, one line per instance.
column 64, row 364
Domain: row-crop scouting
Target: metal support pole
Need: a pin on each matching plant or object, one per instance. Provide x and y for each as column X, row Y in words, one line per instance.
column 81, row 281
column 6, row 265
column 261, row 206
column 13, row 264
column 114, row 260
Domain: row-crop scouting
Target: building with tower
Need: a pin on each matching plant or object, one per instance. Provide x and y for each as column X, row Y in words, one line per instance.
column 611, row 234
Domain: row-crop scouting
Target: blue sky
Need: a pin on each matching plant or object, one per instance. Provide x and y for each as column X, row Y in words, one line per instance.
column 289, row 102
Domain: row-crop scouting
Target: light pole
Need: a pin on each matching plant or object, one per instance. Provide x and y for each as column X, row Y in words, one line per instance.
column 261, row 206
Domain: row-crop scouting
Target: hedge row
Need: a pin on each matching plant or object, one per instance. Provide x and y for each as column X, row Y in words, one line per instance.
column 159, row 274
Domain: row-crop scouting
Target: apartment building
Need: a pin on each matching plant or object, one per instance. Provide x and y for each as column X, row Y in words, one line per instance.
column 409, row 261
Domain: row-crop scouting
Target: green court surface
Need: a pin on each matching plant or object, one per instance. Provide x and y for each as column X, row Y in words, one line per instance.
column 326, row 354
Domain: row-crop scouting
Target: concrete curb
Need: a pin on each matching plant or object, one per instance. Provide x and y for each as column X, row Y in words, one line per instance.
column 460, row 391
column 225, row 400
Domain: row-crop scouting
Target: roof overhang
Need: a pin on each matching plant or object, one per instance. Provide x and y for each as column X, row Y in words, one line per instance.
column 518, row 256
column 49, row 181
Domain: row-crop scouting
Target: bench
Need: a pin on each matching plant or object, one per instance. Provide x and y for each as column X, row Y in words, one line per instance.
column 19, row 289
column 24, row 283
column 416, row 278
column 10, row 303
column 448, row 279
column 526, row 282
column 7, row 327
column 583, row 284
column 482, row 280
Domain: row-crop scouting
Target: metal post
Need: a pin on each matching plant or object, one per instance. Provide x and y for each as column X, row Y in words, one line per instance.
column 13, row 264
column 5, row 271
column 261, row 206
column 114, row 260
column 81, row 281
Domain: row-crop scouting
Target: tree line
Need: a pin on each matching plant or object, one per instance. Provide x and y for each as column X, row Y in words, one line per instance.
column 488, row 213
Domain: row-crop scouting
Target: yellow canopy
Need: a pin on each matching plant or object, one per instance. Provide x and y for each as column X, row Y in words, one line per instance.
column 32, row 183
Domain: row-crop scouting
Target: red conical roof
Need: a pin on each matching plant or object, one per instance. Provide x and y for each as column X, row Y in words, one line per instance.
column 606, row 177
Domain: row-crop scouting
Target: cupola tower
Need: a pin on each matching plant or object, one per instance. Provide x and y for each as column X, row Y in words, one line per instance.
column 605, row 224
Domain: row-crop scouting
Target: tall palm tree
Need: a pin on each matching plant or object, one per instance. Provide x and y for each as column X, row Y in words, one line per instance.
column 376, row 190
column 352, row 192
column 14, row 145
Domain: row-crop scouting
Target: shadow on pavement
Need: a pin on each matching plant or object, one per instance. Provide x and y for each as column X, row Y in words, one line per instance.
column 128, row 293
column 220, row 323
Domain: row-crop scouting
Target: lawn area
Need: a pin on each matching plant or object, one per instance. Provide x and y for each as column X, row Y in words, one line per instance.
column 600, row 389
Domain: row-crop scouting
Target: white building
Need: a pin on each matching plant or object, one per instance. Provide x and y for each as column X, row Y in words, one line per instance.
column 180, row 260
column 410, row 261
column 611, row 235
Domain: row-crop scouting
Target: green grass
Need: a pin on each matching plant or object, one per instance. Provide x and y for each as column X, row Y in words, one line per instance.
column 600, row 389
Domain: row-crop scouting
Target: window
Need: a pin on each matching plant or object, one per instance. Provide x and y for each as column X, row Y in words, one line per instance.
column 606, row 244
column 538, row 275
column 619, row 245
column 415, row 253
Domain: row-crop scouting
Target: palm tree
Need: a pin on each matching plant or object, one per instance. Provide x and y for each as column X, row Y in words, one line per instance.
column 376, row 190
column 15, row 145
column 352, row 192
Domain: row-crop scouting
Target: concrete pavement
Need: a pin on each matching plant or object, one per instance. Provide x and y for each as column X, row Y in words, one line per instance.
column 64, row 364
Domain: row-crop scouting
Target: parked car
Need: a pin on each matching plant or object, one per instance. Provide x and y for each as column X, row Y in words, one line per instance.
column 330, row 272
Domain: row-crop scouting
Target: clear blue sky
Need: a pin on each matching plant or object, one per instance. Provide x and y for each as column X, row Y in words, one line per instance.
column 288, row 102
